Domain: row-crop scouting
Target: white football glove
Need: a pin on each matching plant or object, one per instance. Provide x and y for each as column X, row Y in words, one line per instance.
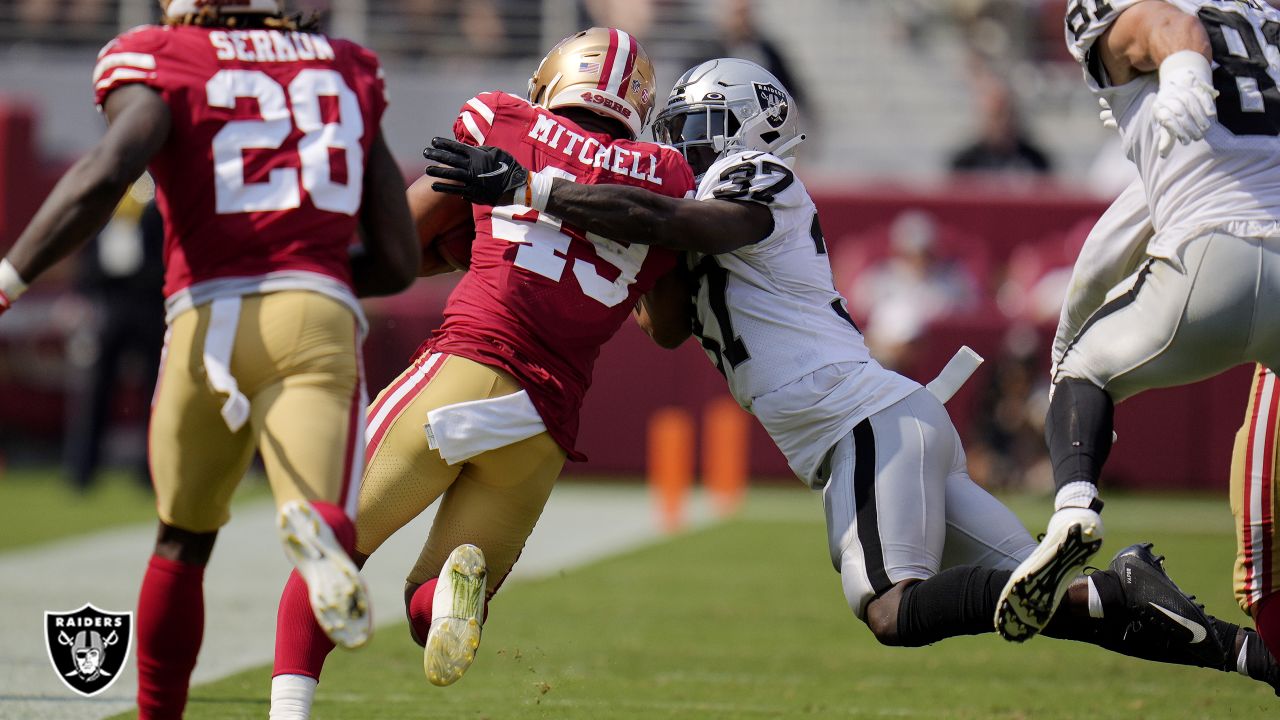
column 1185, row 104
column 1107, row 117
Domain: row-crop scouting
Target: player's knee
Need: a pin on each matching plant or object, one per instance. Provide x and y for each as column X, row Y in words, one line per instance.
column 882, row 615
column 184, row 546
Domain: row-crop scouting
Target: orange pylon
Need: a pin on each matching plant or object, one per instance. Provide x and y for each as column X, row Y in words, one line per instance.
column 670, row 463
column 726, row 453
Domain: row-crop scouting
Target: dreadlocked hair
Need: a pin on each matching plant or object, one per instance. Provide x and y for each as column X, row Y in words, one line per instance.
column 211, row 17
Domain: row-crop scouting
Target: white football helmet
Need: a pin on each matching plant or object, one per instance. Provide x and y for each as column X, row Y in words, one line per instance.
column 182, row 8
column 728, row 105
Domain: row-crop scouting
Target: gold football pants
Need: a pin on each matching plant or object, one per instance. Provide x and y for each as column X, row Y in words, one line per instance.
column 294, row 357
column 492, row 500
column 1254, row 492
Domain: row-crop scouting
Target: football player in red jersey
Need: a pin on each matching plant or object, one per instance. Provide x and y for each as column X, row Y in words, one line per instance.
column 263, row 138
column 500, row 384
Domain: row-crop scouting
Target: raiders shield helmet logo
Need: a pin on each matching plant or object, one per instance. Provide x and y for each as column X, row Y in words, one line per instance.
column 773, row 102
column 88, row 647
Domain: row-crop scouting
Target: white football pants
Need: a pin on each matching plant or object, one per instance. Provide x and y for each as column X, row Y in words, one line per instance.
column 1179, row 320
column 900, row 504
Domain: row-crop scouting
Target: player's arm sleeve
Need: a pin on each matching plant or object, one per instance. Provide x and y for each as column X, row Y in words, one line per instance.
column 1113, row 251
column 135, row 58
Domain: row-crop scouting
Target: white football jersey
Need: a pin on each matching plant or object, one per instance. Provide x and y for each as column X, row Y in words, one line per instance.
column 1231, row 179
column 768, row 315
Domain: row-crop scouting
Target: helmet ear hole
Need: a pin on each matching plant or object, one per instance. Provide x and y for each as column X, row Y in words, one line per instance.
column 770, row 137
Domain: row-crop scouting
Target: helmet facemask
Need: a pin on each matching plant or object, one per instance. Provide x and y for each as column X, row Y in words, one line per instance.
column 702, row 132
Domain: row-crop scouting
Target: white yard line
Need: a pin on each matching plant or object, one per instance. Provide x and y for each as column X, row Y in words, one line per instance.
column 581, row 523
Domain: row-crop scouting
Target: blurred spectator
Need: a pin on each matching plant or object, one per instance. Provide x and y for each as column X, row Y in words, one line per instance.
column 478, row 22
column 1007, row 450
column 901, row 295
column 118, row 347
column 633, row 16
column 1038, row 275
column 39, row 15
column 672, row 31
column 1002, row 145
column 740, row 37
column 999, row 31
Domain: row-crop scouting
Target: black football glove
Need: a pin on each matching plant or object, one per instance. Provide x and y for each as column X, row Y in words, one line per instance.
column 484, row 175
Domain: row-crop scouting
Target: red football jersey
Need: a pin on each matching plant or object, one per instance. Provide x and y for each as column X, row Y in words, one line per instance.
column 263, row 170
column 542, row 297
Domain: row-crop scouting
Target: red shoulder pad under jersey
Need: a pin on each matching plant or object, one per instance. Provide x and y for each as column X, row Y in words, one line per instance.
column 477, row 116
column 131, row 58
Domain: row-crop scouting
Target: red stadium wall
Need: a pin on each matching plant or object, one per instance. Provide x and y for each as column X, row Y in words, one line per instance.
column 1178, row 439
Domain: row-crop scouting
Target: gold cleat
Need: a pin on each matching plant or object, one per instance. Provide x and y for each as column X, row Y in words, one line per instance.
column 456, row 617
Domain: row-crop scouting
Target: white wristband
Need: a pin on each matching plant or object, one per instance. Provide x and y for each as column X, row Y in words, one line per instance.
column 539, row 187
column 1190, row 61
column 11, row 284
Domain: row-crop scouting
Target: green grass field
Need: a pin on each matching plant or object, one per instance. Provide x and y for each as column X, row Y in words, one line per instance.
column 38, row 506
column 746, row 619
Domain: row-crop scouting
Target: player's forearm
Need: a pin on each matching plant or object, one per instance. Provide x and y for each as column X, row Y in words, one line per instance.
column 80, row 204
column 620, row 213
column 1147, row 34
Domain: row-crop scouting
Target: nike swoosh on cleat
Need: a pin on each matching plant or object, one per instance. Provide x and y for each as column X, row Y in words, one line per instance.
column 1198, row 633
column 501, row 169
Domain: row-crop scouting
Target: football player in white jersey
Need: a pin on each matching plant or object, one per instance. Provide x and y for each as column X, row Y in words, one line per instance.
column 1193, row 87
column 922, row 551
column 1115, row 249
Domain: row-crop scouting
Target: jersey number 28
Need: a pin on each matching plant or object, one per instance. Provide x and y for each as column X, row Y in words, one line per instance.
column 283, row 187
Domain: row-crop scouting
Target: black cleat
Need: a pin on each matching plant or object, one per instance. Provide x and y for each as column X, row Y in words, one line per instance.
column 1155, row 602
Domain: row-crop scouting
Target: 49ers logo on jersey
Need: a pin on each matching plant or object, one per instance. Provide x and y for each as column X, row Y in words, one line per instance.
column 610, row 103
column 88, row 647
column 773, row 102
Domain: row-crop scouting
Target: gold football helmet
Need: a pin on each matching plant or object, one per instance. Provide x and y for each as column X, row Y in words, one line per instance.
column 601, row 69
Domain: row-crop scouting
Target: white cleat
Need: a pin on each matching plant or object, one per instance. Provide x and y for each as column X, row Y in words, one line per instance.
column 339, row 597
column 456, row 616
column 1032, row 594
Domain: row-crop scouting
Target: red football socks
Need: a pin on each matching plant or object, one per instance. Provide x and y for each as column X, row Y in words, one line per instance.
column 420, row 610
column 170, row 629
column 1267, row 620
column 301, row 646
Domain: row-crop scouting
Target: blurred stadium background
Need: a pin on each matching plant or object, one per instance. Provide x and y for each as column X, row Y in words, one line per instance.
column 955, row 155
